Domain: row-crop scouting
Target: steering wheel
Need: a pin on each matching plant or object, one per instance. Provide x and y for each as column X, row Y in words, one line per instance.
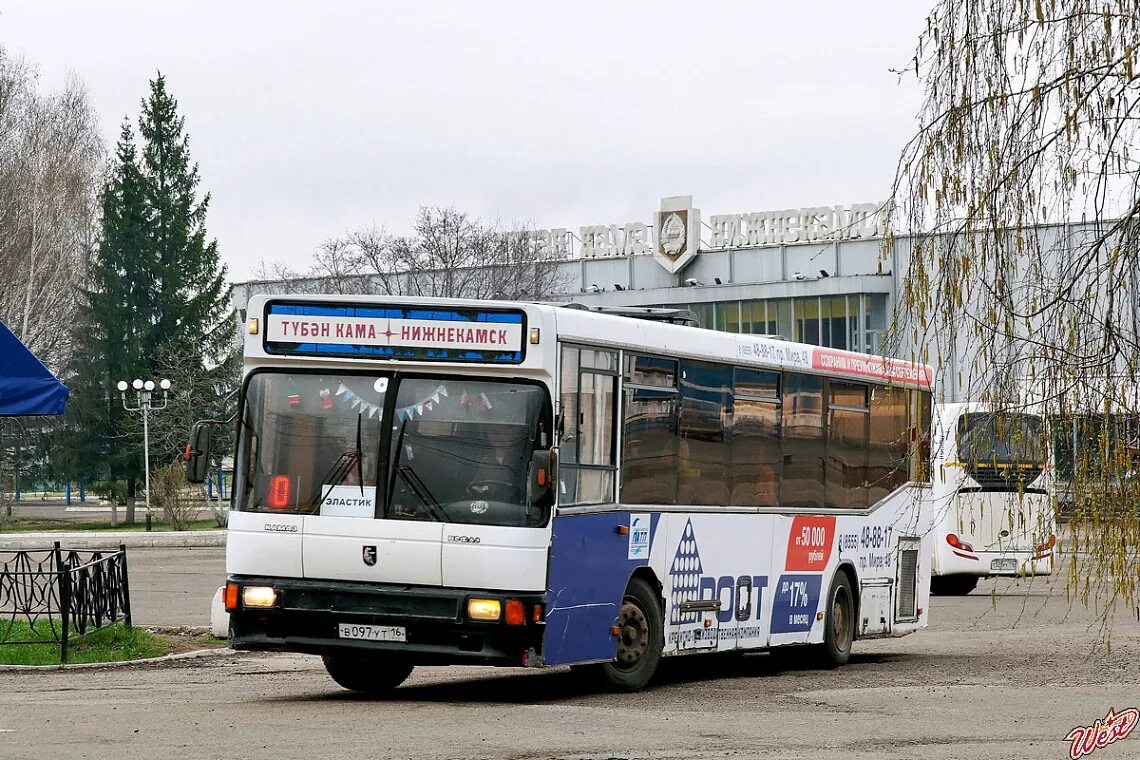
column 487, row 489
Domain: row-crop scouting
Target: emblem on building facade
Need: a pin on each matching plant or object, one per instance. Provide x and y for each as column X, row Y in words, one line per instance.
column 678, row 232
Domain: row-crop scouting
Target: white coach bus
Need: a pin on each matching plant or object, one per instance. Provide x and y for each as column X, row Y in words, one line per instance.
column 423, row 481
column 992, row 496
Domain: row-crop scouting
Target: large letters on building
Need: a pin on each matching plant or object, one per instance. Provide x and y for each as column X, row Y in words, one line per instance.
column 857, row 222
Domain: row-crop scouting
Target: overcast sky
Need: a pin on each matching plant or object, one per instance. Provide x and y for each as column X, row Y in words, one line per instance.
column 309, row 119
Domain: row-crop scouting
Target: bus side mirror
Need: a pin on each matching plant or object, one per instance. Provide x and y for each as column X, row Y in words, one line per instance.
column 542, row 477
column 197, row 456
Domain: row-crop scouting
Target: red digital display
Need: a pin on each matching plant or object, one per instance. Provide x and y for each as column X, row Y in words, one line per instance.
column 279, row 489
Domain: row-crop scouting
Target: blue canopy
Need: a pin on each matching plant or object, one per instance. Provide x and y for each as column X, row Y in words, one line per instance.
column 26, row 386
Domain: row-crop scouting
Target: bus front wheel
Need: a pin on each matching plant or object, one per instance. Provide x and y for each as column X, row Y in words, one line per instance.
column 639, row 640
column 368, row 674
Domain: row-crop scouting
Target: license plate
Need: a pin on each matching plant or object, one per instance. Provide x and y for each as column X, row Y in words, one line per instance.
column 373, row 632
column 1003, row 565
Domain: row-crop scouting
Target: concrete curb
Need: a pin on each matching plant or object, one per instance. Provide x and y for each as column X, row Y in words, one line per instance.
column 196, row 654
column 93, row 539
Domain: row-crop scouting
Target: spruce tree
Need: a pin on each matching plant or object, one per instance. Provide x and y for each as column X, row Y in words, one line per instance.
column 110, row 329
column 157, row 289
column 192, row 300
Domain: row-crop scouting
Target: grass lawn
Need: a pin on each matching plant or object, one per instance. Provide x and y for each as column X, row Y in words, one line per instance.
column 40, row 524
column 112, row 644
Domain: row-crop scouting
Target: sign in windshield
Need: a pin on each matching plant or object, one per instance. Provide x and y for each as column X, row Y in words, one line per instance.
column 395, row 332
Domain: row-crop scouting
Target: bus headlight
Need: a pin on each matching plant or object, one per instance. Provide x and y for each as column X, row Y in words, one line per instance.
column 258, row 596
column 484, row 609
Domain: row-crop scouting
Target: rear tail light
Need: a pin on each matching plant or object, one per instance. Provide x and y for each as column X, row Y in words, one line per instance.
column 279, row 489
column 955, row 543
column 1044, row 549
column 516, row 612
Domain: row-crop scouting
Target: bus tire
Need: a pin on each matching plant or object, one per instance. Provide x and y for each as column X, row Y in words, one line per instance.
column 639, row 642
column 838, row 623
column 367, row 674
column 953, row 585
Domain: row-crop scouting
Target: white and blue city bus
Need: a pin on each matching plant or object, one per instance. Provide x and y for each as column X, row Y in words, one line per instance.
column 425, row 482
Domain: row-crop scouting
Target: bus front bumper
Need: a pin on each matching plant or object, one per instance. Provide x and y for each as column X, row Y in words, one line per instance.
column 308, row 617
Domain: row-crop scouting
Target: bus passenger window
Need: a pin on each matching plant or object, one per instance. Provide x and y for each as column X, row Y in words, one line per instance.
column 706, row 413
column 889, row 448
column 755, row 460
column 846, row 445
column 649, row 431
column 802, row 444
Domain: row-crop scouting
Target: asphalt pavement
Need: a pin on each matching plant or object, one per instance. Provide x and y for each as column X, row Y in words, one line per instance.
column 1006, row 672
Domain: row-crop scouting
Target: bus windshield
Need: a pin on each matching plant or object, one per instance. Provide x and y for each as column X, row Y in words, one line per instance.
column 1008, row 439
column 458, row 449
column 461, row 452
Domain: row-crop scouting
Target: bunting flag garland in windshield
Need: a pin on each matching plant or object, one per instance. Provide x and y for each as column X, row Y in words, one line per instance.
column 370, row 410
column 428, row 403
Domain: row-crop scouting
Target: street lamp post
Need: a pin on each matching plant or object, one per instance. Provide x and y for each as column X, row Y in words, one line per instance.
column 143, row 403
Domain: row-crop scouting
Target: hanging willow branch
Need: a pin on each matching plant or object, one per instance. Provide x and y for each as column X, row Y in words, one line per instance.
column 1018, row 203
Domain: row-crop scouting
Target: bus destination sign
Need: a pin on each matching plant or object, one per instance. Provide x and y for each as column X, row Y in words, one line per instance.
column 396, row 332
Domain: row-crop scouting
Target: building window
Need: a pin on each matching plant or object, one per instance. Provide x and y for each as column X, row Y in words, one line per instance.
column 853, row 323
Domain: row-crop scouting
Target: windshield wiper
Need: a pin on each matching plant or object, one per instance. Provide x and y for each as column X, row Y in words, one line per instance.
column 390, row 486
column 359, row 457
column 341, row 467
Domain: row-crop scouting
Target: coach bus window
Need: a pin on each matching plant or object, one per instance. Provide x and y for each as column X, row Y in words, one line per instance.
column 649, row 431
column 308, row 444
column 461, row 451
column 847, row 414
column 802, row 443
column 589, row 387
column 888, row 451
column 755, row 458
column 706, row 409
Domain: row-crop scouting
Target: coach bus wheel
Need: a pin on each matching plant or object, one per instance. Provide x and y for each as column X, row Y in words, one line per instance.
column 367, row 674
column 839, row 622
column 639, row 639
column 952, row 585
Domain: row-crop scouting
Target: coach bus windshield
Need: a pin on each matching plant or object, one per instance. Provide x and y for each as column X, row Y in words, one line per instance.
column 458, row 450
column 995, row 447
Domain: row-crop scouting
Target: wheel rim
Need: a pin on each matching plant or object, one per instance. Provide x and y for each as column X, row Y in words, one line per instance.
column 633, row 635
column 841, row 619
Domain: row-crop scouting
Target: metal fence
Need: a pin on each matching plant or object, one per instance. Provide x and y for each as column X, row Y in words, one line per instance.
column 65, row 594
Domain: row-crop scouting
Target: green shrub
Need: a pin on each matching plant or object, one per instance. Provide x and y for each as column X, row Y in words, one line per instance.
column 114, row 491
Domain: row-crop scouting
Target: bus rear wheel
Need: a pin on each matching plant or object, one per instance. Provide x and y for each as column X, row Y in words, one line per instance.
column 639, row 640
column 367, row 674
column 838, row 622
column 952, row 585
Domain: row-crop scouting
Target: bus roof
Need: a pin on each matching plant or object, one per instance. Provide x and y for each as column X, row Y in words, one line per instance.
column 651, row 336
